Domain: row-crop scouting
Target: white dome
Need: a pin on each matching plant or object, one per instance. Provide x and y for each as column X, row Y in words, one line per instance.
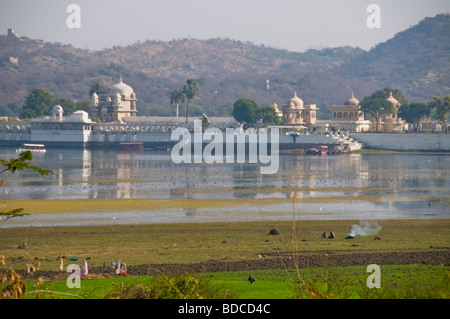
column 393, row 100
column 351, row 101
column 121, row 88
column 57, row 108
column 295, row 102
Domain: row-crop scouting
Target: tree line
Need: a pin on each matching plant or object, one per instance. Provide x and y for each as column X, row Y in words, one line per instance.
column 248, row 112
column 377, row 106
column 40, row 102
column 245, row 111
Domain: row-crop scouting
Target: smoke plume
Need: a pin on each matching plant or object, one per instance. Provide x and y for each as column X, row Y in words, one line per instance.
column 365, row 229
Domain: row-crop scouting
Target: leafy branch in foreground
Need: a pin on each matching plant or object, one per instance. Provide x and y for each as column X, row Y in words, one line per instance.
column 20, row 164
column 17, row 212
column 13, row 165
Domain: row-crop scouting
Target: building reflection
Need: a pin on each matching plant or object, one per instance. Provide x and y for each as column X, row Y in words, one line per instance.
column 152, row 174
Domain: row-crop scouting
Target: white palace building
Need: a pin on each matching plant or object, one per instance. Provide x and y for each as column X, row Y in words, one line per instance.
column 112, row 119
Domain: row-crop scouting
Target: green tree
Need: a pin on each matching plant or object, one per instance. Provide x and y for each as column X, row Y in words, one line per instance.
column 205, row 122
column 19, row 164
column 414, row 112
column 177, row 97
column 38, row 103
column 440, row 109
column 12, row 109
column 98, row 88
column 190, row 90
column 384, row 94
column 16, row 108
column 67, row 104
column 83, row 105
column 268, row 115
column 376, row 108
column 245, row 111
column 5, row 111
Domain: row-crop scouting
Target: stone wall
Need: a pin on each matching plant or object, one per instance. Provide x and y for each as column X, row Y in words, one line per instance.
column 404, row 142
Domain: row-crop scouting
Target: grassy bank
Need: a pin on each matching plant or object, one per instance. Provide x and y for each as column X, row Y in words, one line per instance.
column 397, row 282
column 74, row 206
column 192, row 243
column 245, row 241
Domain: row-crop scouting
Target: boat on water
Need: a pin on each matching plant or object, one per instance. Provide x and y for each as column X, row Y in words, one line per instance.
column 132, row 146
column 35, row 148
column 163, row 148
column 317, row 150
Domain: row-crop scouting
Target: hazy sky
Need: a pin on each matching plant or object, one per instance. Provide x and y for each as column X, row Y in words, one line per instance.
column 294, row 25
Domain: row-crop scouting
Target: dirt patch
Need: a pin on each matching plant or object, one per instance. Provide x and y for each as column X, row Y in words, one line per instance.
column 279, row 260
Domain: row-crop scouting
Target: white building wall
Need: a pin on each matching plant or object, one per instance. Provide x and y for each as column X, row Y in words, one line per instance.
column 404, row 142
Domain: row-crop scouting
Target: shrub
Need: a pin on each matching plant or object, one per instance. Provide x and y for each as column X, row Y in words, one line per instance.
column 166, row 287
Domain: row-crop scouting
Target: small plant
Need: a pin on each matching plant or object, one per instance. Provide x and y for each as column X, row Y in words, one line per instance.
column 12, row 285
column 166, row 287
column 14, row 164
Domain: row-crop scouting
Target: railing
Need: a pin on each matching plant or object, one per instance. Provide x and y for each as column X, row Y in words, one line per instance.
column 15, row 127
column 124, row 128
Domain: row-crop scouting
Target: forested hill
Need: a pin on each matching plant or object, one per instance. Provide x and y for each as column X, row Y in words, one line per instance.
column 414, row 61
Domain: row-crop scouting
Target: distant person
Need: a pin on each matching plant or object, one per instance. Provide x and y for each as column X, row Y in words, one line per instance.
column 331, row 235
column 84, row 269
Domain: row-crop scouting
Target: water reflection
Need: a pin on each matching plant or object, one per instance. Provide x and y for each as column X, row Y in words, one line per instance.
column 361, row 183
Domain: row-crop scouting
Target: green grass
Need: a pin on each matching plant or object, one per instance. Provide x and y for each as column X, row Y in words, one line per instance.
column 397, row 282
column 192, row 243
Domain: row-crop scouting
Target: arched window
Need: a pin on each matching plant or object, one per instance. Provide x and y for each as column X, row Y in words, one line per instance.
column 339, row 115
column 334, row 115
column 345, row 115
column 350, row 115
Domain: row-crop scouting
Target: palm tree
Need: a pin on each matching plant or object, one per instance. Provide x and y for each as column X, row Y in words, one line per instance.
column 177, row 97
column 190, row 90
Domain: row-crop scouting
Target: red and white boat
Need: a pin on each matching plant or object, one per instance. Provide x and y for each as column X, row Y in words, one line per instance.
column 317, row 150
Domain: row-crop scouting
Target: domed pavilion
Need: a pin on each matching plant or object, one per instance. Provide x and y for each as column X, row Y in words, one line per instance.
column 295, row 112
column 349, row 116
column 117, row 103
column 391, row 122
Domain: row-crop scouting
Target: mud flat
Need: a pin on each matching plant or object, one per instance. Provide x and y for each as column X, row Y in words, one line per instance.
column 205, row 247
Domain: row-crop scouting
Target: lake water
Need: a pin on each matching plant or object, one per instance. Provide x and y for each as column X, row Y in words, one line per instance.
column 352, row 186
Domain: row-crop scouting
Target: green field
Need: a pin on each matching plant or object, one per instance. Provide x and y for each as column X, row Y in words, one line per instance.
column 397, row 282
column 423, row 273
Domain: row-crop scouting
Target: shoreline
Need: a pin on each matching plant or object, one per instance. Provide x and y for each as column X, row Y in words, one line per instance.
column 135, row 211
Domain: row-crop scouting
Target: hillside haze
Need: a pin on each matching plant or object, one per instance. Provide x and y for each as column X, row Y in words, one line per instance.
column 416, row 61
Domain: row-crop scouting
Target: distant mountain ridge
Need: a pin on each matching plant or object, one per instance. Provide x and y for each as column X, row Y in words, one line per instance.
column 415, row 61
